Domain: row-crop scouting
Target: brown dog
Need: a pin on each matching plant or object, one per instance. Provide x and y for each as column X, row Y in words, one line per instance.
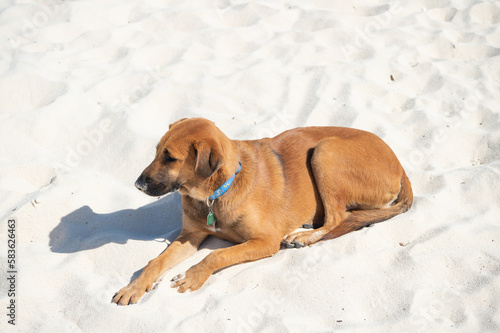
column 334, row 179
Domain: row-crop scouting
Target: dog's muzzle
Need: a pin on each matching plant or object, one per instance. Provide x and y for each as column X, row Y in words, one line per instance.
column 150, row 187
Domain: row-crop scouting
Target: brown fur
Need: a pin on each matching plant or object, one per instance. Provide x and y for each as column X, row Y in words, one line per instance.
column 336, row 179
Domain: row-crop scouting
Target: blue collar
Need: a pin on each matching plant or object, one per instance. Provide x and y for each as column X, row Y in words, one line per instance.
column 221, row 190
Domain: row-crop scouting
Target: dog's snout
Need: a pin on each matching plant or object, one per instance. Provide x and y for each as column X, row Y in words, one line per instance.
column 142, row 183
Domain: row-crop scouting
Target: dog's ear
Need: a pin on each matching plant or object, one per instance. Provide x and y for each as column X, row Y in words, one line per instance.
column 178, row 121
column 208, row 159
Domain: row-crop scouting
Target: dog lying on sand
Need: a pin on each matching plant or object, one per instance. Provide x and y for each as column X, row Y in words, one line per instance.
column 257, row 193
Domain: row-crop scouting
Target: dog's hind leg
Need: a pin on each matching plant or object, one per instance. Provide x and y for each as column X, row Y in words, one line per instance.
column 329, row 176
column 360, row 183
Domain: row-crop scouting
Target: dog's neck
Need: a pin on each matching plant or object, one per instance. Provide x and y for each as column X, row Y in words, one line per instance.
column 217, row 193
column 221, row 190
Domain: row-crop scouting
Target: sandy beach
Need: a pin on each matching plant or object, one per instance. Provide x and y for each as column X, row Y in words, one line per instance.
column 87, row 88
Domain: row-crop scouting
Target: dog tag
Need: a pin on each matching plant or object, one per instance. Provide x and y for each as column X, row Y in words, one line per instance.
column 210, row 218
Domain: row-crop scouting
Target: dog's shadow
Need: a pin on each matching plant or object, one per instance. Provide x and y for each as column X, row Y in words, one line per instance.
column 84, row 229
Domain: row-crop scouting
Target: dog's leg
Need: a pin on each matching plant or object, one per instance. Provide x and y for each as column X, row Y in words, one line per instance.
column 330, row 177
column 251, row 250
column 350, row 174
column 183, row 247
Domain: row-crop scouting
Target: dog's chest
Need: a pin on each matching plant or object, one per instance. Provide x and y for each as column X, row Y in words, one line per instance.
column 226, row 226
column 219, row 220
column 223, row 223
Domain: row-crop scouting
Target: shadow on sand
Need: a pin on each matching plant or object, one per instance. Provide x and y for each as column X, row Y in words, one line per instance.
column 84, row 229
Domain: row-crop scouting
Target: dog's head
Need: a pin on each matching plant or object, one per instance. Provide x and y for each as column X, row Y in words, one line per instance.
column 188, row 158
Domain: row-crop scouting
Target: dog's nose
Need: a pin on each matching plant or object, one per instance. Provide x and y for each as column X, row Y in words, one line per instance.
column 142, row 183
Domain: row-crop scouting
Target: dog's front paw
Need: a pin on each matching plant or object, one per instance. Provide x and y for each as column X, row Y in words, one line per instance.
column 192, row 280
column 131, row 293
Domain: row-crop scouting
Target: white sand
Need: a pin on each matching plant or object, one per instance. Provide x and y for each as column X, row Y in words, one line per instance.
column 88, row 87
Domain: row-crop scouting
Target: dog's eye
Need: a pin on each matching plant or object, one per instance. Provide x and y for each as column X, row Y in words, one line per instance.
column 167, row 158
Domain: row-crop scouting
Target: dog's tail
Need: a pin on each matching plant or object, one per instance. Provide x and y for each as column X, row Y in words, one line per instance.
column 361, row 218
